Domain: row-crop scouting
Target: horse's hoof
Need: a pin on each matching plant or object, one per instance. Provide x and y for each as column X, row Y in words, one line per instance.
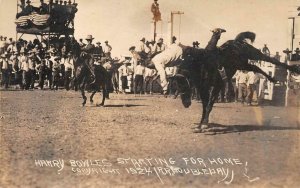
column 99, row 105
column 198, row 130
column 204, row 126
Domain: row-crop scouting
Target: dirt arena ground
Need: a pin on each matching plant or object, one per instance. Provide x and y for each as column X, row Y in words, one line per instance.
column 249, row 146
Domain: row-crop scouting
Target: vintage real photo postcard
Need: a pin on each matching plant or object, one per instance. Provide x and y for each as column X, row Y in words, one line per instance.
column 149, row 93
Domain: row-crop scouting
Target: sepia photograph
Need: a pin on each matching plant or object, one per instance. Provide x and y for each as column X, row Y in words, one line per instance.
column 149, row 93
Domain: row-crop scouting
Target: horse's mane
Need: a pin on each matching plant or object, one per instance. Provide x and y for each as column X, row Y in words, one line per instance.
column 245, row 35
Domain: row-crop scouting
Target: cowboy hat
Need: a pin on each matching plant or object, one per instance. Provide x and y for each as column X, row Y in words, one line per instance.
column 106, row 41
column 297, row 50
column 28, row 1
column 287, row 51
column 197, row 43
column 143, row 39
column 98, row 42
column 89, row 37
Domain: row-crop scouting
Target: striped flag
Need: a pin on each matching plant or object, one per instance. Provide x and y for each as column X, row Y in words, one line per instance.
column 35, row 18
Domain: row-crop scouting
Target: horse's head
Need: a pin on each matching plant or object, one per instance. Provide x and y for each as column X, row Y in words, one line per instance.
column 246, row 35
column 184, row 89
column 190, row 54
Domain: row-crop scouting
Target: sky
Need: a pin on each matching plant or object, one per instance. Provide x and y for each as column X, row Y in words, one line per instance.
column 124, row 22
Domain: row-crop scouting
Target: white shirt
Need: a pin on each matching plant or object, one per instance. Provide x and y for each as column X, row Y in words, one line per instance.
column 68, row 63
column 242, row 78
column 107, row 48
column 5, row 63
column 139, row 70
column 123, row 70
column 171, row 54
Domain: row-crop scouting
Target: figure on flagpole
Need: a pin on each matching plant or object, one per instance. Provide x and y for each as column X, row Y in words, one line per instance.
column 155, row 11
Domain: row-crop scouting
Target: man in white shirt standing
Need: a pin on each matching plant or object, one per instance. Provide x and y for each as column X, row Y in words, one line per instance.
column 149, row 76
column 5, row 69
column 124, row 72
column 139, row 78
column 107, row 50
column 253, row 79
column 242, row 79
column 69, row 67
column 24, row 69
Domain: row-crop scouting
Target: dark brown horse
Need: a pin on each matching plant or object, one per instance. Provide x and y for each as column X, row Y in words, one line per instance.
column 83, row 78
column 200, row 69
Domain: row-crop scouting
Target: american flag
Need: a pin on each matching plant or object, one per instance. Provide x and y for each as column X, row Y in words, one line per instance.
column 35, row 18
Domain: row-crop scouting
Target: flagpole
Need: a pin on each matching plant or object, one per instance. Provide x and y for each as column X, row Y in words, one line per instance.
column 16, row 14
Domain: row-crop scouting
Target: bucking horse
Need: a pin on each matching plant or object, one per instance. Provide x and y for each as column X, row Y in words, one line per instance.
column 201, row 69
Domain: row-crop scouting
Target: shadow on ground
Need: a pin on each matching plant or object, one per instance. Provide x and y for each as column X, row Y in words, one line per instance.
column 225, row 129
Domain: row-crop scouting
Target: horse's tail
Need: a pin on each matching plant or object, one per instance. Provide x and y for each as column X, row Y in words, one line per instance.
column 245, row 35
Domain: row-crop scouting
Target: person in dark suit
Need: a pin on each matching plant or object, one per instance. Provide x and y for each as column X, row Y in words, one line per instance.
column 296, row 55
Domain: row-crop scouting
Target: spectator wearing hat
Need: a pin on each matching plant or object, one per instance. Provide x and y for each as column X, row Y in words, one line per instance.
column 152, row 46
column 296, row 55
column 124, row 72
column 42, row 73
column 98, row 53
column 5, row 69
column 141, row 47
column 43, row 9
column 55, row 72
column 107, row 50
column 48, row 69
column 139, row 78
column 196, row 44
column 265, row 50
column 277, row 56
column 6, row 44
column 287, row 55
column 135, row 57
column 15, row 64
column 2, row 45
column 24, row 69
column 69, row 68
column 242, row 79
column 28, row 9
column 149, row 78
column 32, row 68
column 160, row 46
